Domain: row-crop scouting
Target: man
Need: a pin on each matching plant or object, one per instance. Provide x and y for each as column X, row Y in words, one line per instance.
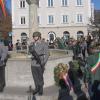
column 3, row 60
column 92, row 71
column 18, row 45
column 39, row 51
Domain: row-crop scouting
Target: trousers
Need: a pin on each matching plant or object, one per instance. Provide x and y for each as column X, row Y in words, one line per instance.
column 2, row 78
column 37, row 74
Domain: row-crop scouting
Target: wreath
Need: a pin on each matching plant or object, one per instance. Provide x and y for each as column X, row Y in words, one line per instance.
column 60, row 70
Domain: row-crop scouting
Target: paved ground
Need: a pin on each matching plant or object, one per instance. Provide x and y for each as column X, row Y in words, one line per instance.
column 18, row 79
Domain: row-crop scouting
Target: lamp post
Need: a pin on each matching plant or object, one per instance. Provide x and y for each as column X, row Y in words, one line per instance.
column 33, row 21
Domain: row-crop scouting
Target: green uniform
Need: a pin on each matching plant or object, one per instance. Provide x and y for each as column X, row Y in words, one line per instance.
column 91, row 61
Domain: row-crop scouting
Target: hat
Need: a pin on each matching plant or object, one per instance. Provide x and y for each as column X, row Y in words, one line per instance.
column 36, row 34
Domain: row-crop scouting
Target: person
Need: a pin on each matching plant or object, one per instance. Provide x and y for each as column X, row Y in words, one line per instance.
column 76, row 48
column 89, row 40
column 10, row 46
column 18, row 45
column 90, row 74
column 39, row 51
column 24, row 45
column 84, row 47
column 65, row 85
column 96, row 90
column 64, row 91
column 3, row 60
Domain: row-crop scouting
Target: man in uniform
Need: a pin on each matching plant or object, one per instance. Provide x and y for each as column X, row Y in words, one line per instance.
column 91, row 77
column 3, row 60
column 39, row 51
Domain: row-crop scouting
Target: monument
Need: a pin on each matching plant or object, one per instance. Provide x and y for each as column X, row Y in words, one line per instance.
column 33, row 20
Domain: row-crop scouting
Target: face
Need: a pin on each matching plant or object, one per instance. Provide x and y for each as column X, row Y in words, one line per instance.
column 36, row 38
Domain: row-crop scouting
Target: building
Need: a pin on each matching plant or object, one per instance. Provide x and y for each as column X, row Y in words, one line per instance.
column 68, row 18
column 56, row 18
column 20, row 20
column 97, row 16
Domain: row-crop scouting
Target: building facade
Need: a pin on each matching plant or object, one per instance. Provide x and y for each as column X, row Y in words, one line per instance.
column 56, row 18
column 20, row 20
column 64, row 18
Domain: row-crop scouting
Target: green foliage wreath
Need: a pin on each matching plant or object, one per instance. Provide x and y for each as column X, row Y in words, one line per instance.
column 60, row 68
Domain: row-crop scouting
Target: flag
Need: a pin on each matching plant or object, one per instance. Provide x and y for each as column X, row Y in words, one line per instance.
column 96, row 66
column 3, row 7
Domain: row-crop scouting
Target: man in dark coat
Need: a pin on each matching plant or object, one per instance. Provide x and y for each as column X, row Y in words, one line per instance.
column 39, row 51
column 92, row 69
column 3, row 60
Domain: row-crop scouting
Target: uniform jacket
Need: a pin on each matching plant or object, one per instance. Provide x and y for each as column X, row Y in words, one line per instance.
column 41, row 49
column 91, row 60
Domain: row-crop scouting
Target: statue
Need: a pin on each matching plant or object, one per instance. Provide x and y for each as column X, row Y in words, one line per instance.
column 32, row 1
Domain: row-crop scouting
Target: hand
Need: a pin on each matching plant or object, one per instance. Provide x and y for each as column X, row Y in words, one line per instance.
column 43, row 64
column 43, row 69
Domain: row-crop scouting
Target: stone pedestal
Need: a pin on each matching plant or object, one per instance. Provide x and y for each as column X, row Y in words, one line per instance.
column 33, row 20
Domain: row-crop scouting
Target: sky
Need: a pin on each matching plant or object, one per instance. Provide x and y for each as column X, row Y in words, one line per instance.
column 96, row 4
column 8, row 4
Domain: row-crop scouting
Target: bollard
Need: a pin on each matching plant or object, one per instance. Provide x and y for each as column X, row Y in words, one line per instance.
column 30, row 93
column 31, row 96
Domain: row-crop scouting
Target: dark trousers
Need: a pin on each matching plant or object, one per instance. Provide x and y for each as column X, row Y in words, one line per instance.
column 2, row 78
column 83, row 53
column 64, row 95
column 37, row 74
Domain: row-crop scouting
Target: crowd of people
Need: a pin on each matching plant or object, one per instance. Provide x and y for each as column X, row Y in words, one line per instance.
column 85, row 54
column 73, row 79
column 21, row 46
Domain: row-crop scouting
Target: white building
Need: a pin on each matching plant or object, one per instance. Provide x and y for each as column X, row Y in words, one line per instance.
column 57, row 18
column 20, row 20
column 69, row 18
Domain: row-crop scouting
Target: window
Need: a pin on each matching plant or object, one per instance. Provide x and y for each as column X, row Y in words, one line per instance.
column 23, row 20
column 66, row 36
column 79, row 18
column 79, row 2
column 23, row 38
column 50, row 3
column 51, row 36
column 50, row 19
column 80, row 35
column 65, row 18
column 64, row 2
column 22, row 3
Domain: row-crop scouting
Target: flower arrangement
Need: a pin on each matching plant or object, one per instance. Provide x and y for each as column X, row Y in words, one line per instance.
column 60, row 70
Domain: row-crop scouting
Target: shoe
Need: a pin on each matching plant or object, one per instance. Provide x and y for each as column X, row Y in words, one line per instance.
column 40, row 94
column 40, row 91
column 35, row 91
